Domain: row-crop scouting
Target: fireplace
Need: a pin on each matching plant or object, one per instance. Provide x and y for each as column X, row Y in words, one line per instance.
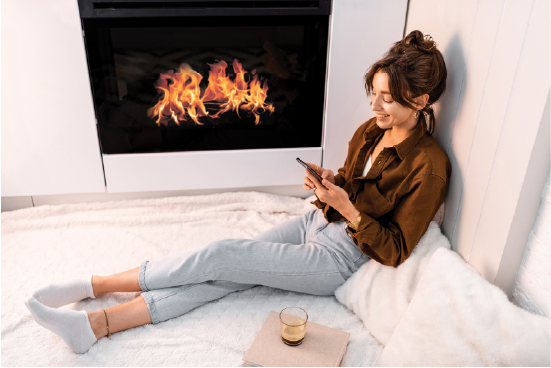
column 219, row 85
column 206, row 75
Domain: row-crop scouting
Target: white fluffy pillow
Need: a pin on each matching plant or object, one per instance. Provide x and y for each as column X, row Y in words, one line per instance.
column 457, row 318
column 379, row 295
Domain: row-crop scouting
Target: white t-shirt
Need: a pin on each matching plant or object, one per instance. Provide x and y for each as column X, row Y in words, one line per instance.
column 367, row 166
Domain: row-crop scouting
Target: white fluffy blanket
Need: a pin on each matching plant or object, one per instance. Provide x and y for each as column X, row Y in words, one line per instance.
column 436, row 310
column 380, row 295
column 53, row 243
column 457, row 318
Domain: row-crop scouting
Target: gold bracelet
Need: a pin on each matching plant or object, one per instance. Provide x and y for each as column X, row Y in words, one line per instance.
column 107, row 322
column 354, row 224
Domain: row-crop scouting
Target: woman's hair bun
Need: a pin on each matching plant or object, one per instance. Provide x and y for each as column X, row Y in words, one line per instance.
column 414, row 38
column 420, row 41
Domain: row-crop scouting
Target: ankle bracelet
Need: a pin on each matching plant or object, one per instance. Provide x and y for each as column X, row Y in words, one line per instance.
column 107, row 322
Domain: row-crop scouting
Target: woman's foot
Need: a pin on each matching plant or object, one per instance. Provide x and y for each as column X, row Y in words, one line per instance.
column 72, row 326
column 63, row 293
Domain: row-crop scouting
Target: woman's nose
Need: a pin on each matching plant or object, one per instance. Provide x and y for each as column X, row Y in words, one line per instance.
column 375, row 105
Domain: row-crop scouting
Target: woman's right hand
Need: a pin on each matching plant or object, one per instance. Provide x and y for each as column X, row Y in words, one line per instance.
column 324, row 173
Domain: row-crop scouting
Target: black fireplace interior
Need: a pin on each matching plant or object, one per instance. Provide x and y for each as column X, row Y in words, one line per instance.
column 195, row 76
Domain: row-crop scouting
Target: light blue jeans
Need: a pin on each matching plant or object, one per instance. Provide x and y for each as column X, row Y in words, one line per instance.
column 306, row 254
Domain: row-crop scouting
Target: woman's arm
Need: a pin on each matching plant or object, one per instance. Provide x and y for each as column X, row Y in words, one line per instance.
column 334, row 196
column 392, row 243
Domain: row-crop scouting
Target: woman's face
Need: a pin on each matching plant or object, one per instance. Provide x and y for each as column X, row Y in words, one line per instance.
column 389, row 113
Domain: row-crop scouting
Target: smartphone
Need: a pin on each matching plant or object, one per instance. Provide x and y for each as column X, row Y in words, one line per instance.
column 312, row 171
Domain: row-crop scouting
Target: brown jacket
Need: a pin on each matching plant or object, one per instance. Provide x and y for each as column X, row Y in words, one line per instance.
column 398, row 197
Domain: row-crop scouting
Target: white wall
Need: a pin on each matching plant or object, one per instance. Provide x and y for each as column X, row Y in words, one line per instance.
column 497, row 55
column 49, row 138
column 361, row 32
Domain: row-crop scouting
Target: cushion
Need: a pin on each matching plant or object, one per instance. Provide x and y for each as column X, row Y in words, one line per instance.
column 379, row 295
column 457, row 318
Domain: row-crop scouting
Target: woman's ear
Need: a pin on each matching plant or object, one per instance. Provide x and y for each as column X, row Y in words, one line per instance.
column 421, row 101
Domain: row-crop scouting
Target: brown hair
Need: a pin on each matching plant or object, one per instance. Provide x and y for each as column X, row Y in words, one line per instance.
column 414, row 67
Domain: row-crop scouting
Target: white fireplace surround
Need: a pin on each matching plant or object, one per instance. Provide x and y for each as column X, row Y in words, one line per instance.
column 493, row 120
column 53, row 148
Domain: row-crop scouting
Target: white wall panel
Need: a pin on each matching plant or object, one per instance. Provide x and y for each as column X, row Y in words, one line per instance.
column 361, row 32
column 523, row 118
column 49, row 139
column 497, row 55
column 533, row 275
column 451, row 25
column 491, row 109
column 484, row 35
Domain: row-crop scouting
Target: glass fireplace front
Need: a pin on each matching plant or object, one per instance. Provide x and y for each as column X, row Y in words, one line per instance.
column 196, row 83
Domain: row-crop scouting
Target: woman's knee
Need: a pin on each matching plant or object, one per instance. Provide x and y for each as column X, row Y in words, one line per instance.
column 225, row 251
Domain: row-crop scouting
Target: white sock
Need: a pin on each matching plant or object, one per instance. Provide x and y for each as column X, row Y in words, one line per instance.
column 72, row 326
column 63, row 293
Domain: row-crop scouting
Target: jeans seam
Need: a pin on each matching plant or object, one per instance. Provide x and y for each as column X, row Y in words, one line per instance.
column 362, row 256
column 150, row 302
column 205, row 274
column 192, row 286
column 141, row 276
column 186, row 282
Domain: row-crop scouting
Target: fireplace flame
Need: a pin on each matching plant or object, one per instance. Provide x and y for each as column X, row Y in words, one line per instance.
column 182, row 100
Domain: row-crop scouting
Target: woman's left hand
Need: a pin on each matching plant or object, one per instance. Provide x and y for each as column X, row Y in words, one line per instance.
column 334, row 196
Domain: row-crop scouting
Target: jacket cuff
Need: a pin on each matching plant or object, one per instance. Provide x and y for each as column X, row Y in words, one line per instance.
column 318, row 203
column 339, row 180
column 365, row 222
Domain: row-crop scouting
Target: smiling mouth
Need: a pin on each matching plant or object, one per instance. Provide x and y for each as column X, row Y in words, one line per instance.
column 381, row 116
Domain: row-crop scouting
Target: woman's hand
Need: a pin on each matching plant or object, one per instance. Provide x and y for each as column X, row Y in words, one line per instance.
column 334, row 196
column 325, row 174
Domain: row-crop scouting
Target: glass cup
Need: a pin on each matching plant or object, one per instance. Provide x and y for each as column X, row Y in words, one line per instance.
column 293, row 325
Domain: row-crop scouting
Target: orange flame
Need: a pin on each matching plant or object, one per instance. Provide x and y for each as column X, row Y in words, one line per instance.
column 182, row 99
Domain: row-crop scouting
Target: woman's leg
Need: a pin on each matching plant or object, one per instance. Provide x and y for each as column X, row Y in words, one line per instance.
column 230, row 265
column 214, row 268
column 126, row 281
column 294, row 231
column 62, row 293
column 121, row 317
column 318, row 266
column 80, row 329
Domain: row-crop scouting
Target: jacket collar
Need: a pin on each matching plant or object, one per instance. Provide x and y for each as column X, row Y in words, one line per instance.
column 411, row 140
column 403, row 147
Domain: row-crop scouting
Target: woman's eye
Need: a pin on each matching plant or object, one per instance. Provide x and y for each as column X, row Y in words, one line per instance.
column 373, row 94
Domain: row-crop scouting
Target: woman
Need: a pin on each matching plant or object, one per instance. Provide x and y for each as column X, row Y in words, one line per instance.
column 377, row 206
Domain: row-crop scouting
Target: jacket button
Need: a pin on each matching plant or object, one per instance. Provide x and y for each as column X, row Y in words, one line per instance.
column 379, row 162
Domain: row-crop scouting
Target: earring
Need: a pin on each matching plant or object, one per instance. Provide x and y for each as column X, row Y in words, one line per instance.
column 416, row 114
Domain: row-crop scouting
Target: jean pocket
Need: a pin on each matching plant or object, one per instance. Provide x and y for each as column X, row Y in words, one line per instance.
column 345, row 229
column 317, row 230
column 356, row 249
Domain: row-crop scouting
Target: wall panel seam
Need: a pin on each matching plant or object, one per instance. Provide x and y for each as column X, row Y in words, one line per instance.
column 504, row 126
column 478, row 120
column 406, row 21
column 454, row 120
